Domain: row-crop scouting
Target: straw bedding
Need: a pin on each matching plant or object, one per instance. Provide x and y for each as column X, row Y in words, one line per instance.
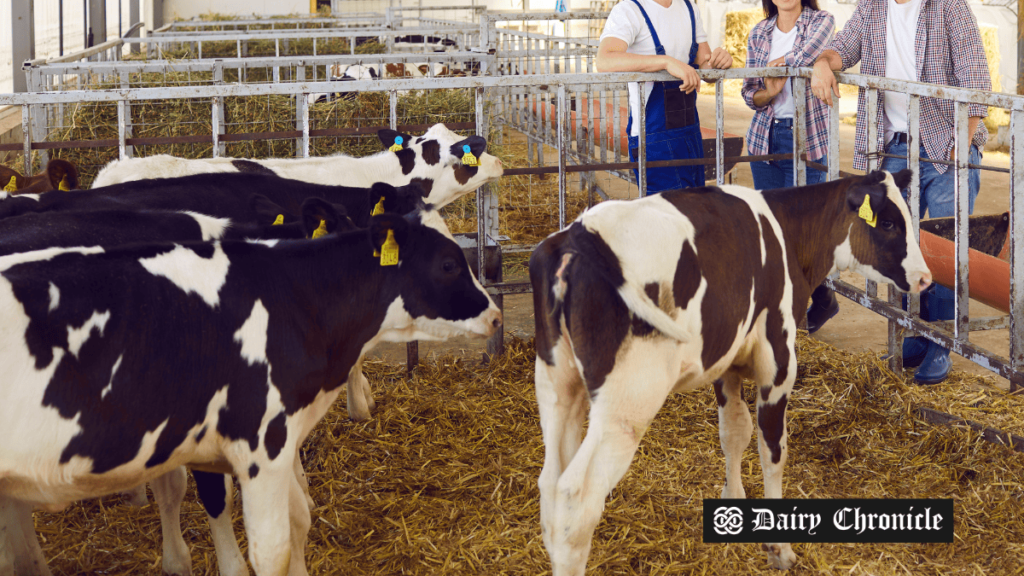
column 442, row 480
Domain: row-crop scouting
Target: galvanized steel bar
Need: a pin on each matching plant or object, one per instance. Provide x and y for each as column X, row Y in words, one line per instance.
column 563, row 141
column 122, row 127
column 393, row 109
column 641, row 152
column 960, row 217
column 799, row 131
column 1016, row 233
column 719, row 133
column 914, row 163
column 870, row 286
column 216, row 125
column 26, row 134
column 833, row 141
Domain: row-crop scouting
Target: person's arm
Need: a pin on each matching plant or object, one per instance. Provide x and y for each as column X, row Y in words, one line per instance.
column 612, row 57
column 970, row 67
column 842, row 52
column 816, row 37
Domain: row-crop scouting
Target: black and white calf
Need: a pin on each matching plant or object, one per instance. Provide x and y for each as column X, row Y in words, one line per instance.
column 222, row 195
column 691, row 288
column 433, row 160
column 118, row 366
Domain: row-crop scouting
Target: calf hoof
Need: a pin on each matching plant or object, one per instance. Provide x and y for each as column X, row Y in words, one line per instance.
column 780, row 556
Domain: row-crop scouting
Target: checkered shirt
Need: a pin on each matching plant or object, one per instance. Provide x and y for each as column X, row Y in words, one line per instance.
column 951, row 55
column 814, row 28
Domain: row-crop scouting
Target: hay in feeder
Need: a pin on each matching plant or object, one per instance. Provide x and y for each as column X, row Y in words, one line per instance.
column 442, row 480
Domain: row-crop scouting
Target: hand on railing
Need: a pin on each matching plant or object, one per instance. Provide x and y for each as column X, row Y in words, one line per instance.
column 823, row 82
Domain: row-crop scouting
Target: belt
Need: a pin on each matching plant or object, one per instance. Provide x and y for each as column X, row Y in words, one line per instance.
column 782, row 122
column 899, row 138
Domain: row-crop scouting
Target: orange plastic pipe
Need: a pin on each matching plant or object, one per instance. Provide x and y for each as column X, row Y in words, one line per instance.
column 550, row 112
column 989, row 278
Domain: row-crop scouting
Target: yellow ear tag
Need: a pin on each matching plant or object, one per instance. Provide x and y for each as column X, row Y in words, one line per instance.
column 12, row 186
column 866, row 213
column 279, row 220
column 63, row 186
column 379, row 208
column 389, row 251
column 321, row 230
column 467, row 157
column 397, row 146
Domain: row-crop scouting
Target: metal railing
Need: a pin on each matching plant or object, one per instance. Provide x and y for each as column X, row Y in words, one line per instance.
column 489, row 91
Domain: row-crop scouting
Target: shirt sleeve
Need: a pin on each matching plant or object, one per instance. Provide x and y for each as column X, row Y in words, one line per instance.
column 621, row 24
column 816, row 37
column 702, row 36
column 752, row 86
column 970, row 67
column 848, row 41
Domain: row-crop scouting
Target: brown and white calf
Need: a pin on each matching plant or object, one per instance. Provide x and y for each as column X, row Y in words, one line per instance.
column 59, row 175
column 636, row 300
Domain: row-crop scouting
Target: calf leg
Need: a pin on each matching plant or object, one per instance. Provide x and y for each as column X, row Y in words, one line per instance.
column 299, row 523
column 300, row 476
column 169, row 491
column 215, row 491
column 358, row 394
column 20, row 553
column 137, row 496
column 268, row 523
column 619, row 416
column 734, row 430
column 562, row 401
column 775, row 373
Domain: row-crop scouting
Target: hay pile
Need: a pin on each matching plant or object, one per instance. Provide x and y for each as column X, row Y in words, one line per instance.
column 442, row 480
column 990, row 40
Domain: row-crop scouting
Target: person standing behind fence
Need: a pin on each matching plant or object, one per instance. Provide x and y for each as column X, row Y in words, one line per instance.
column 932, row 41
column 793, row 33
column 631, row 43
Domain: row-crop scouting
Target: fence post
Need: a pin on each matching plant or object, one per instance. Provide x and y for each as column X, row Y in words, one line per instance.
column 1016, row 246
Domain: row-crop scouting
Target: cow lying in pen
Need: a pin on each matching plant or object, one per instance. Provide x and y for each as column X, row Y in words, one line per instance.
column 690, row 288
column 438, row 161
column 118, row 366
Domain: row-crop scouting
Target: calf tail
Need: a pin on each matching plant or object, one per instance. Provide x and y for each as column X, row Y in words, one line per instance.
column 642, row 306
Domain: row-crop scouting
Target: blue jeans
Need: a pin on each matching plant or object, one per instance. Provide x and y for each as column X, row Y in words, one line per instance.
column 936, row 189
column 938, row 200
column 779, row 173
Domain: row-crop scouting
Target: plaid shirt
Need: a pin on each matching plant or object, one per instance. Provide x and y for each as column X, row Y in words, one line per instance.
column 952, row 55
column 813, row 30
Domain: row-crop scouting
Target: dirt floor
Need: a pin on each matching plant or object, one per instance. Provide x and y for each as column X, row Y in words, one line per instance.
column 855, row 329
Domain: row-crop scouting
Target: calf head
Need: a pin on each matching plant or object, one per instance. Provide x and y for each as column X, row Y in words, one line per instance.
column 438, row 297
column 59, row 175
column 881, row 244
column 447, row 165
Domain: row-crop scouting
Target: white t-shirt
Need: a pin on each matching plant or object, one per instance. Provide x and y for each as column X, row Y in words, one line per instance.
column 900, row 60
column 782, row 44
column 673, row 25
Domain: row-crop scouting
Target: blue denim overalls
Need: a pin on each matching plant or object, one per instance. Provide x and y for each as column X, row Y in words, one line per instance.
column 673, row 127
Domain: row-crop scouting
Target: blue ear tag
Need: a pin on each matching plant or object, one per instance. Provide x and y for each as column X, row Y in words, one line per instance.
column 468, row 159
column 397, row 146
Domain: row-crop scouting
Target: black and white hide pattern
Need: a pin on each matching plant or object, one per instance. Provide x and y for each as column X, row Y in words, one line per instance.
column 684, row 290
column 119, row 366
column 433, row 160
column 222, row 195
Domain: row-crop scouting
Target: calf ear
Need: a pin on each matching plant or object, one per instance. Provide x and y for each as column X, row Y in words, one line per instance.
column 62, row 174
column 477, row 145
column 267, row 210
column 381, row 225
column 387, row 138
column 383, row 195
column 317, row 213
column 902, row 178
column 857, row 192
column 6, row 174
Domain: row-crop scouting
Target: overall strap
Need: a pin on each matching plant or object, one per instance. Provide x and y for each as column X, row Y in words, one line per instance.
column 658, row 48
